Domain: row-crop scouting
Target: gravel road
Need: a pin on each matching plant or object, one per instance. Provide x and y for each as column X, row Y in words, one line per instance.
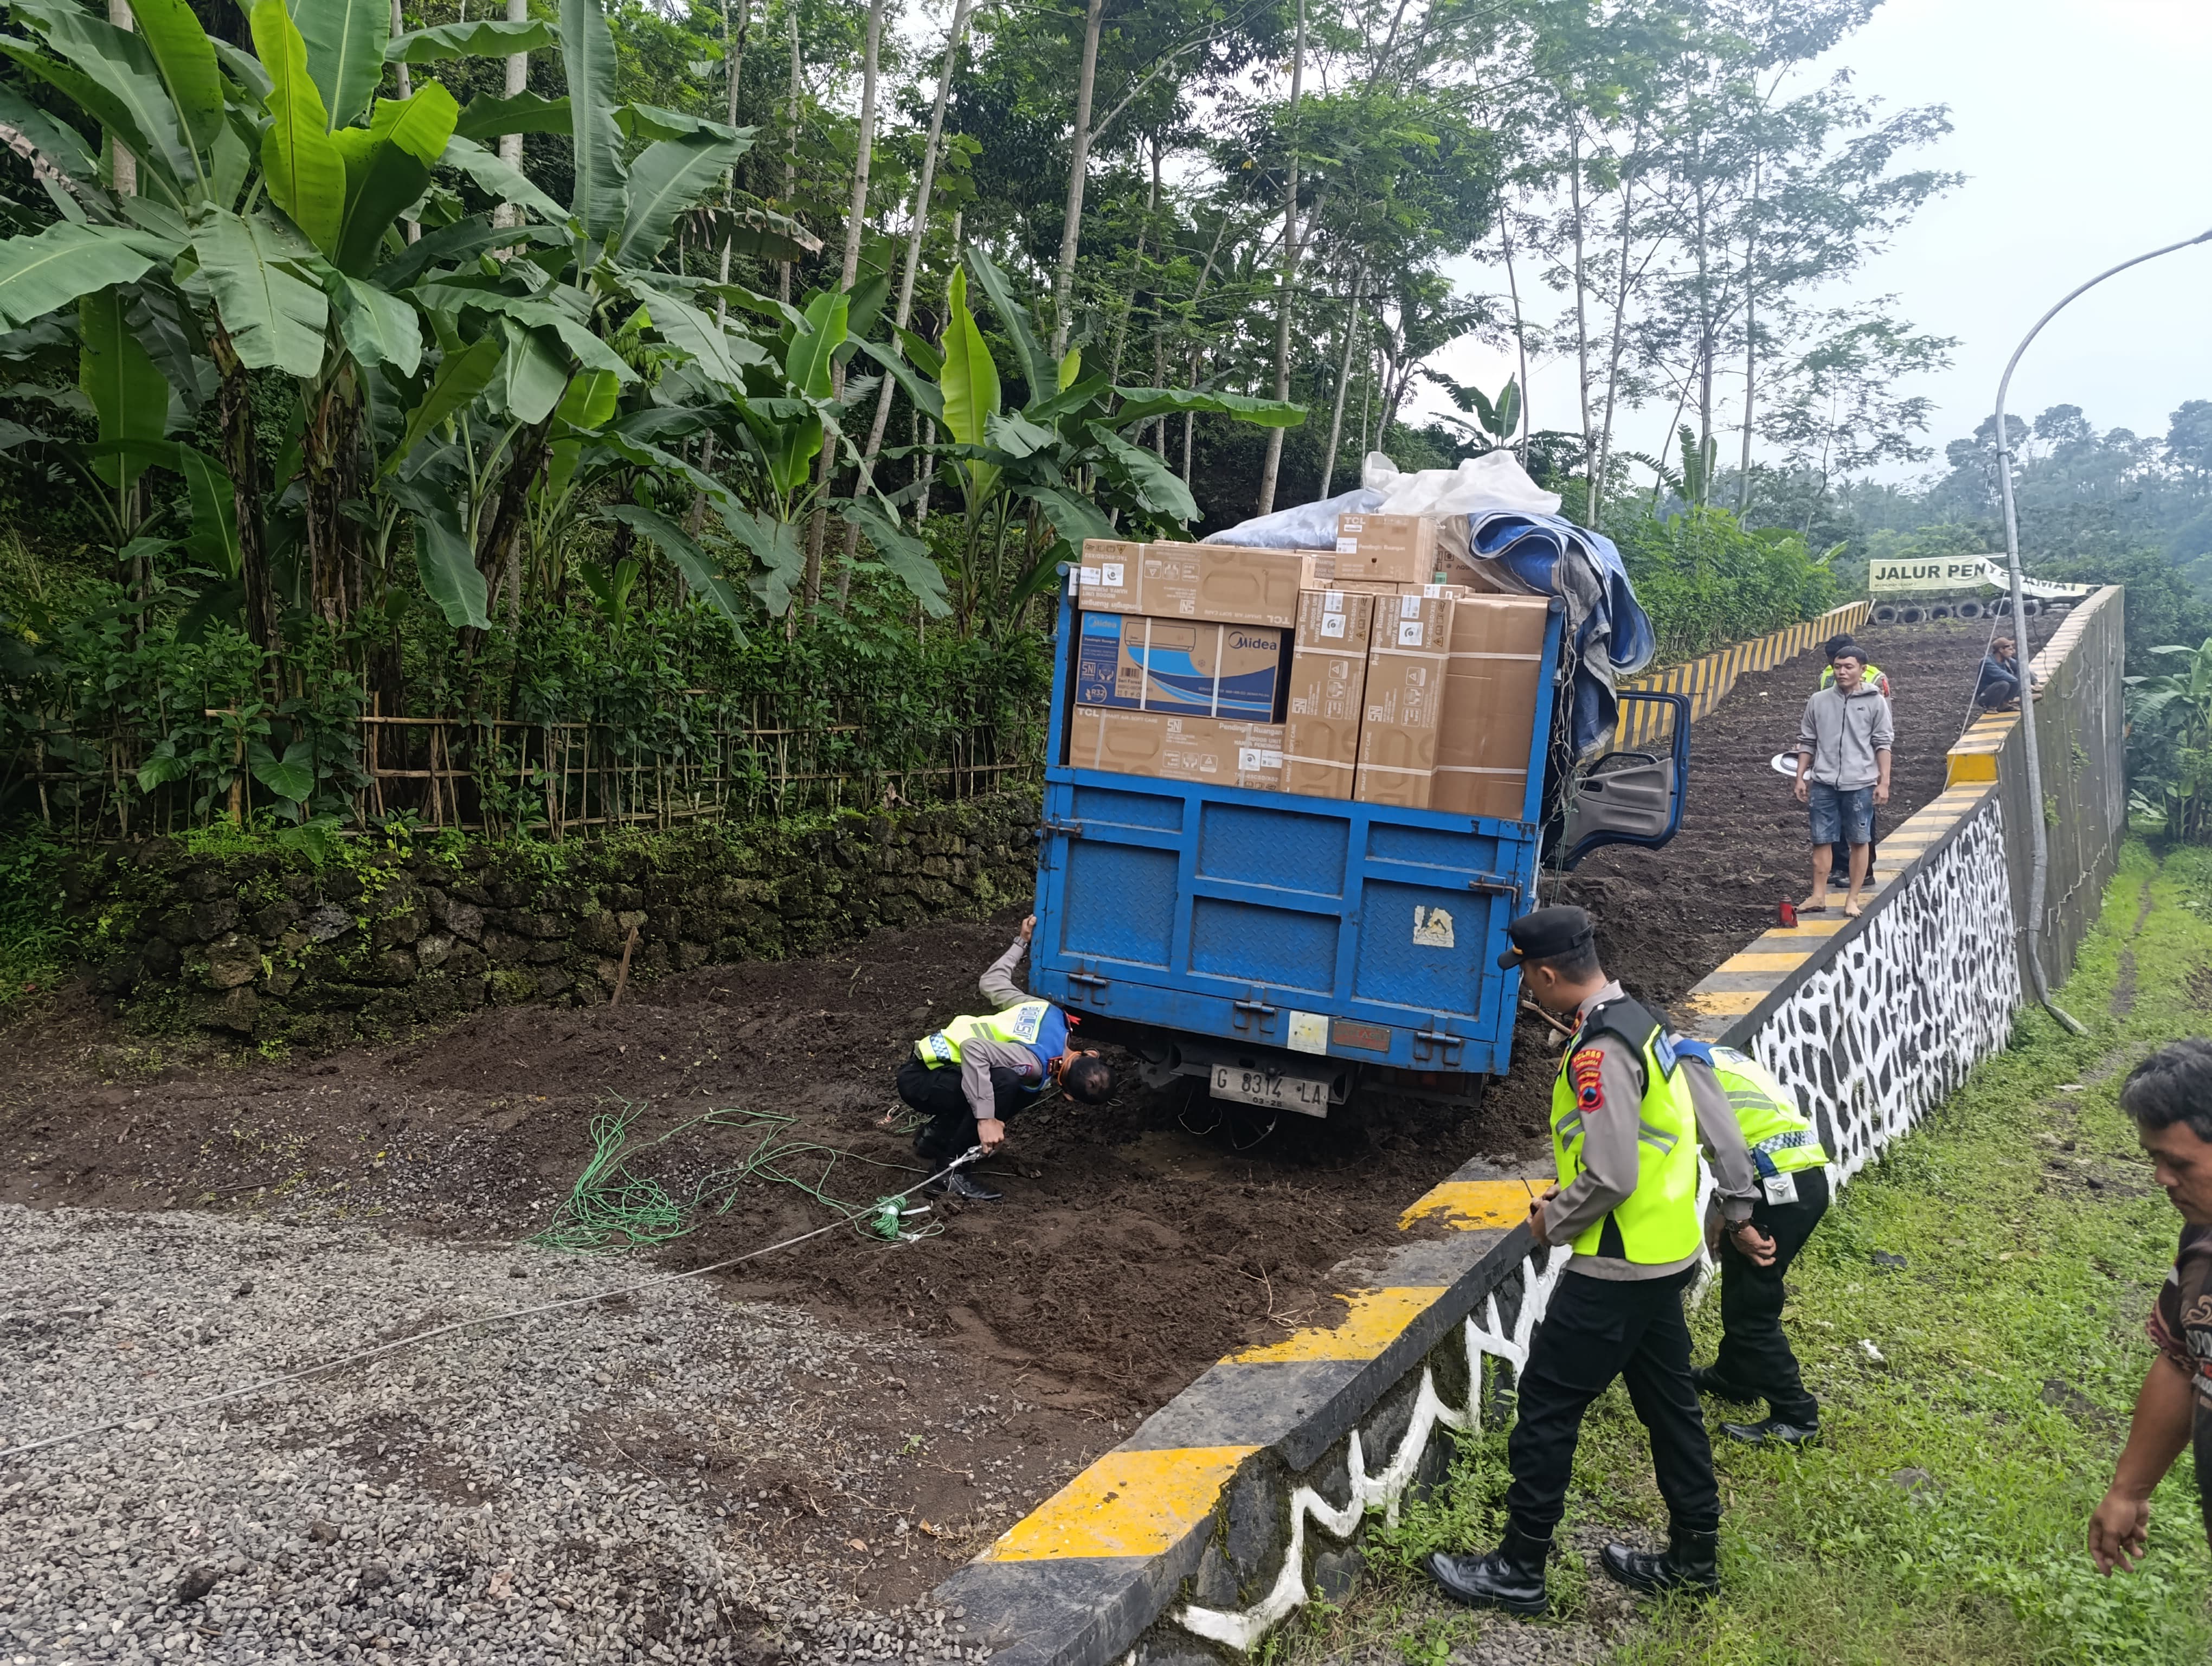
column 515, row 1493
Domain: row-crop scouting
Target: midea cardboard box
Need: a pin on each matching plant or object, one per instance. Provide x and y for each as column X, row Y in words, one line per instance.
column 1493, row 676
column 1403, row 706
column 1328, row 682
column 1219, row 582
column 1140, row 663
column 1397, row 547
column 1175, row 748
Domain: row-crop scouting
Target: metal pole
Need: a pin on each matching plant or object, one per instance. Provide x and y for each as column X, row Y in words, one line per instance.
column 2038, row 841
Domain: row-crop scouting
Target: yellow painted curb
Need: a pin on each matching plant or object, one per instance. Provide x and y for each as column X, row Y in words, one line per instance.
column 1724, row 1003
column 1471, row 1204
column 1128, row 1504
column 1752, row 960
column 1376, row 1318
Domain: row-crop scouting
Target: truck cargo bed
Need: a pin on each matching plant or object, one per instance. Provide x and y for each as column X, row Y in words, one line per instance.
column 1227, row 923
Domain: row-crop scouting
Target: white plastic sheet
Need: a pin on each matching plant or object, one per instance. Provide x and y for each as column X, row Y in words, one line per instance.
column 1494, row 482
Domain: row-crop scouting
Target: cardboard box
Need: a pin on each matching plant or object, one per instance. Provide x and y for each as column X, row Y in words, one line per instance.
column 1173, row 747
column 1398, row 547
column 1326, row 686
column 1493, row 677
column 1223, row 583
column 1137, row 662
column 1403, row 707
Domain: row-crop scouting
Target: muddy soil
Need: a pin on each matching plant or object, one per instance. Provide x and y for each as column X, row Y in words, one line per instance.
column 1136, row 1244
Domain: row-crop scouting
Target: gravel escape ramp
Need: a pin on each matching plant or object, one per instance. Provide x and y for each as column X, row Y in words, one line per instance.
column 791, row 1454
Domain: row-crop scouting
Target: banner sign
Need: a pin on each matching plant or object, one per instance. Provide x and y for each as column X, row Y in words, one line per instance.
column 1891, row 578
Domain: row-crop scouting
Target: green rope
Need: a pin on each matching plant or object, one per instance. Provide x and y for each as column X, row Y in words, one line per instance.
column 612, row 1204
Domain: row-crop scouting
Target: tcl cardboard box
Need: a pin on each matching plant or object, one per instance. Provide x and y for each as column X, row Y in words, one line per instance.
column 1403, row 705
column 1176, row 748
column 1397, row 547
column 1327, row 681
column 1220, row 582
column 1493, row 676
column 1135, row 661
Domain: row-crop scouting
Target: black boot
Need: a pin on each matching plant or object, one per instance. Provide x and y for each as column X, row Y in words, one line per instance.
column 1690, row 1562
column 1773, row 1432
column 1510, row 1578
column 1708, row 1379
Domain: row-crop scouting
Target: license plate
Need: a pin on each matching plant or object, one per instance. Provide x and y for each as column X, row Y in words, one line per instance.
column 1271, row 1088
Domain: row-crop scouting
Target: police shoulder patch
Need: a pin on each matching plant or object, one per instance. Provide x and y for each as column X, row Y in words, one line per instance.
column 1585, row 1073
column 1663, row 1050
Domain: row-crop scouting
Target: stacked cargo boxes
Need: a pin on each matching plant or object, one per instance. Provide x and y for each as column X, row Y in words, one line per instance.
column 1352, row 673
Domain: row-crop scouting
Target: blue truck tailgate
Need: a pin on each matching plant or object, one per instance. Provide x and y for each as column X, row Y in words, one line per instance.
column 1283, row 923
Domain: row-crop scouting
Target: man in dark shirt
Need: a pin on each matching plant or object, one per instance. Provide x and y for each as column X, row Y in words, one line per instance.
column 2169, row 1095
column 1998, row 687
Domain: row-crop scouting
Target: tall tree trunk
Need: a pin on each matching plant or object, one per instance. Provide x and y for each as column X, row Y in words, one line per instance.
column 1270, row 469
column 1343, row 376
column 403, row 84
column 1593, row 498
column 1198, row 351
column 1520, row 333
column 1750, row 343
column 510, row 144
column 122, row 164
column 241, row 460
column 1079, row 162
column 856, row 221
column 902, row 309
column 733, row 65
column 1581, row 288
column 790, row 146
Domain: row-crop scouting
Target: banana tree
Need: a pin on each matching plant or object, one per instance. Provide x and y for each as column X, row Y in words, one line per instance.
column 1035, row 482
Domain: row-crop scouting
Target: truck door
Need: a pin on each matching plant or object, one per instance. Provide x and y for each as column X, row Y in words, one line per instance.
column 1632, row 796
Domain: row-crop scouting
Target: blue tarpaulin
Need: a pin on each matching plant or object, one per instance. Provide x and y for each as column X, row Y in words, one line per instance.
column 1608, row 635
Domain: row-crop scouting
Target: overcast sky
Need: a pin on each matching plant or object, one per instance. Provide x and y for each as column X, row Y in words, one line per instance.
column 2080, row 126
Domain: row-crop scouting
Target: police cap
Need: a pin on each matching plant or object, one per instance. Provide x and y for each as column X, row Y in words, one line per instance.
column 1545, row 933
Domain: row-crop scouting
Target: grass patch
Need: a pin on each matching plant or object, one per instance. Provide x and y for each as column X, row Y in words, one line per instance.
column 1944, row 1518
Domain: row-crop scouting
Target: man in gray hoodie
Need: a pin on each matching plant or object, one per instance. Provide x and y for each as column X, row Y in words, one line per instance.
column 1843, row 774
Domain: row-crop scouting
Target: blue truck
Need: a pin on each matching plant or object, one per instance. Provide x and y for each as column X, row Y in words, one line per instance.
column 1287, row 951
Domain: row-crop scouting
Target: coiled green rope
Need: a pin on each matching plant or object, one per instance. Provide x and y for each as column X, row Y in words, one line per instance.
column 612, row 1204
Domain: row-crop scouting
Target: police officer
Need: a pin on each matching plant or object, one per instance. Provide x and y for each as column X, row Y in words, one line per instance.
column 973, row 1074
column 1625, row 1137
column 1755, row 1362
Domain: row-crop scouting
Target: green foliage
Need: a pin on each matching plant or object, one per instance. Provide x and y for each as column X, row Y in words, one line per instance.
column 1706, row 581
column 2170, row 742
column 38, row 940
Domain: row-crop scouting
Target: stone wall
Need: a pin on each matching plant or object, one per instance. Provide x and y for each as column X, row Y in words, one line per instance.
column 272, row 947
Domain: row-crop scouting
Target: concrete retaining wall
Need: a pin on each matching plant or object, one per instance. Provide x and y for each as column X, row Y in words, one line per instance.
column 2081, row 741
column 1246, row 1495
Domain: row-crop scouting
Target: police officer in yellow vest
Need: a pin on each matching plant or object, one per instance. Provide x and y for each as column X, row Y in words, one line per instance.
column 1755, row 1362
column 973, row 1074
column 1625, row 1136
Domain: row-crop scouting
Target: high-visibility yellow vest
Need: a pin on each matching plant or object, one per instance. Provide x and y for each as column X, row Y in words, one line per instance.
column 1657, row 1223
column 1782, row 1140
column 1023, row 1023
